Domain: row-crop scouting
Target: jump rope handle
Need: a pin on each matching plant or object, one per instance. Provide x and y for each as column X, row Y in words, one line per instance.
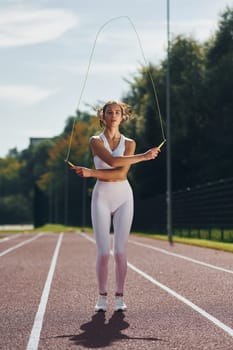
column 70, row 164
column 161, row 144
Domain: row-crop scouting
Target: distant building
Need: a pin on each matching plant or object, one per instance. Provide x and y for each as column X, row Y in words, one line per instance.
column 37, row 140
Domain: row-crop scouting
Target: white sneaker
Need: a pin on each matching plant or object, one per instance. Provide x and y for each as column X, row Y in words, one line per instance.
column 101, row 304
column 119, row 304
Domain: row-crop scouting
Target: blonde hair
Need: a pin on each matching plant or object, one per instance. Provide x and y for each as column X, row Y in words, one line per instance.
column 125, row 109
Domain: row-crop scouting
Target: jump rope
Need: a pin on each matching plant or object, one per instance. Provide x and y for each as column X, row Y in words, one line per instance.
column 156, row 101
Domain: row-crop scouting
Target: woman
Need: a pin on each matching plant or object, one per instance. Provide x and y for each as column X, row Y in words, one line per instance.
column 112, row 197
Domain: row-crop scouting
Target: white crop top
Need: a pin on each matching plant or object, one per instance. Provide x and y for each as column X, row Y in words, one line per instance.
column 118, row 151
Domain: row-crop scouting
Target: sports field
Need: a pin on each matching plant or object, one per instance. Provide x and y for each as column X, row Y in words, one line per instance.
column 178, row 296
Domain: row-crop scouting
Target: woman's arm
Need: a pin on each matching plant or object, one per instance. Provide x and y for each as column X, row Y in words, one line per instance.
column 115, row 174
column 126, row 160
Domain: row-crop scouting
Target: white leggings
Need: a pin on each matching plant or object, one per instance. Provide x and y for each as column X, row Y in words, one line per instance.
column 111, row 201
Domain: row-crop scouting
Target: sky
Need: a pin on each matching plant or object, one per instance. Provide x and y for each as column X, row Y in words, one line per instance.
column 45, row 50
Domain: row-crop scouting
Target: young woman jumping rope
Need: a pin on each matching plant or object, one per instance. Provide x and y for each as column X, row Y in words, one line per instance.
column 112, row 197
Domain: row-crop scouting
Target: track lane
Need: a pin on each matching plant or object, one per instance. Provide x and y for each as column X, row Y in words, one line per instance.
column 225, row 308
column 22, row 276
column 4, row 238
column 71, row 323
column 5, row 250
column 154, row 320
column 210, row 256
column 73, row 294
column 206, row 287
column 181, row 256
column 37, row 325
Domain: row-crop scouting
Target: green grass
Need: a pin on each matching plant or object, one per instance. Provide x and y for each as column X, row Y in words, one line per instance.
column 227, row 247
column 56, row 228
column 61, row 228
column 214, row 234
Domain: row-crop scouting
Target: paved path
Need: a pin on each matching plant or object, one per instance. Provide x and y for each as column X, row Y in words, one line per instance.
column 178, row 297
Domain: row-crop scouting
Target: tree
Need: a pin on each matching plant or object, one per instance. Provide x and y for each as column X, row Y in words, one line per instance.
column 148, row 177
column 62, row 186
column 187, row 64
column 218, row 141
column 14, row 207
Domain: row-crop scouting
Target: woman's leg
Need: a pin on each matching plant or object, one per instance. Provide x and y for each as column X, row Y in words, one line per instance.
column 122, row 221
column 101, row 220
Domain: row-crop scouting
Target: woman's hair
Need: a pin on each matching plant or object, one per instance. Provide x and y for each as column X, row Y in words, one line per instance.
column 125, row 109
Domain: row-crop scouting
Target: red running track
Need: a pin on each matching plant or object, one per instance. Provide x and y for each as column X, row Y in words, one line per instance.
column 178, row 297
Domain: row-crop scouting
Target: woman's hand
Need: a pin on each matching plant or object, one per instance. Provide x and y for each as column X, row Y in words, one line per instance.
column 151, row 153
column 82, row 171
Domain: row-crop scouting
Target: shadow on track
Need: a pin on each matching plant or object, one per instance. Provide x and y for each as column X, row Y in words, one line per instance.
column 99, row 334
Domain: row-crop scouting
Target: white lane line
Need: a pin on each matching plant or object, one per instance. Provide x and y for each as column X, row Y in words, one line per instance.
column 9, row 238
column 181, row 256
column 20, row 244
column 205, row 314
column 37, row 326
column 184, row 300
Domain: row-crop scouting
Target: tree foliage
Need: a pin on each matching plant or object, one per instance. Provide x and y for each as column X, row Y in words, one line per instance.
column 218, row 140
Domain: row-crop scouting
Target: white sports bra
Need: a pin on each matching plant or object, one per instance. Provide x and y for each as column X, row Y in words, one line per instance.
column 118, row 151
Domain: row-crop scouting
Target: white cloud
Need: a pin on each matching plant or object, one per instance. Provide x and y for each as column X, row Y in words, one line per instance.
column 201, row 29
column 24, row 94
column 27, row 26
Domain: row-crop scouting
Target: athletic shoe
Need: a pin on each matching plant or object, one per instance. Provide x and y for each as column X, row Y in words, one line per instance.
column 119, row 304
column 101, row 304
